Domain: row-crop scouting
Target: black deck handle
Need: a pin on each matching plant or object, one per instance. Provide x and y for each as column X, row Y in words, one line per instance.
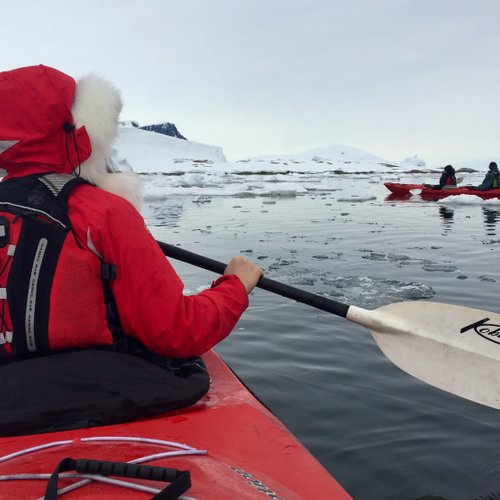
column 180, row 481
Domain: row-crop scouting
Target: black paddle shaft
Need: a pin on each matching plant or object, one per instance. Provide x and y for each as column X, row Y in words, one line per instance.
column 270, row 285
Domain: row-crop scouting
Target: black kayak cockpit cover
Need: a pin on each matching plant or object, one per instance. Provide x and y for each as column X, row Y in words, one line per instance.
column 79, row 389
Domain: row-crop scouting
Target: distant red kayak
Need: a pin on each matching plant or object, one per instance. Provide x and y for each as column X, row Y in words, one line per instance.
column 230, row 443
column 435, row 194
column 402, row 189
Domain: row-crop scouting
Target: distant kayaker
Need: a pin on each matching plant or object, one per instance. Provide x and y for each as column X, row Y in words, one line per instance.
column 63, row 289
column 491, row 179
column 447, row 179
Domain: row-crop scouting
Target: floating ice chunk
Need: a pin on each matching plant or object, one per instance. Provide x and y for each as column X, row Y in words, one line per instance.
column 445, row 268
column 492, row 201
column 190, row 180
column 462, row 199
column 202, row 199
column 282, row 193
column 357, row 199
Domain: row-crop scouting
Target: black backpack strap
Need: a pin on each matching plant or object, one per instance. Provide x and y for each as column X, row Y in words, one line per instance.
column 108, row 274
column 61, row 185
column 29, row 283
column 180, row 481
column 36, row 253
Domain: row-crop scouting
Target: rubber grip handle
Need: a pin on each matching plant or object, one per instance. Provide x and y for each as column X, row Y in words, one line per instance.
column 121, row 469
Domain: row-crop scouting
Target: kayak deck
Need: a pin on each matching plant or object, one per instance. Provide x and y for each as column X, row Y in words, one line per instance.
column 231, row 444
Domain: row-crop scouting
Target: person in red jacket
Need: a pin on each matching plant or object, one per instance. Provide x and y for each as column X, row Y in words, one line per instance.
column 447, row 179
column 53, row 128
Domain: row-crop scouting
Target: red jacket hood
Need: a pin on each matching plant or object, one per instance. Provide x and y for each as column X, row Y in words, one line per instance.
column 36, row 124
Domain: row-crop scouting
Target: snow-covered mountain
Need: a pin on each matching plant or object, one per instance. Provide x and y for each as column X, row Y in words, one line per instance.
column 331, row 153
column 147, row 152
column 412, row 161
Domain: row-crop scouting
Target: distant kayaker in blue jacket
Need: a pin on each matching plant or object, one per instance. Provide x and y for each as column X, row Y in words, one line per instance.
column 491, row 179
column 447, row 179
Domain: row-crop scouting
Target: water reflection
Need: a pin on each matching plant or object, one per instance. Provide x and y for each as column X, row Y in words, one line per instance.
column 446, row 213
column 491, row 217
column 398, row 197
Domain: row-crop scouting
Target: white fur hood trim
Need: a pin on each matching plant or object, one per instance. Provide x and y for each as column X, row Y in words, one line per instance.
column 97, row 106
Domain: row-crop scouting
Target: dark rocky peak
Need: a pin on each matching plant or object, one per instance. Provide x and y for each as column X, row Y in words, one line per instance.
column 165, row 129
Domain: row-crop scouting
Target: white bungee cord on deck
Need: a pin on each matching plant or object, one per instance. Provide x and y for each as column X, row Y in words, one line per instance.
column 182, row 450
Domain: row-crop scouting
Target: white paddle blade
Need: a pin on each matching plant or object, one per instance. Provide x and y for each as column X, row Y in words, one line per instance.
column 451, row 347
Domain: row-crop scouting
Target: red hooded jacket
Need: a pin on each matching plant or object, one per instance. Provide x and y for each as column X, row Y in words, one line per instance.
column 37, row 135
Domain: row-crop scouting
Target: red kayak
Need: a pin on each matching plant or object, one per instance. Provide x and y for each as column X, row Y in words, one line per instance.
column 403, row 189
column 232, row 446
column 435, row 194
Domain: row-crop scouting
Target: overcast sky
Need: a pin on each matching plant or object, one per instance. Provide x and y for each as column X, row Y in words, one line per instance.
column 393, row 77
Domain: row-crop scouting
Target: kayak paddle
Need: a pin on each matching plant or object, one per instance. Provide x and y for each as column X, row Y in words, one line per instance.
column 451, row 347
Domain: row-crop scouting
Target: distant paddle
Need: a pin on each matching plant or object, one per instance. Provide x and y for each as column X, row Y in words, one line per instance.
column 451, row 347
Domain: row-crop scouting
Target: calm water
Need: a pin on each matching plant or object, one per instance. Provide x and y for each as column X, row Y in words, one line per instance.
column 380, row 432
